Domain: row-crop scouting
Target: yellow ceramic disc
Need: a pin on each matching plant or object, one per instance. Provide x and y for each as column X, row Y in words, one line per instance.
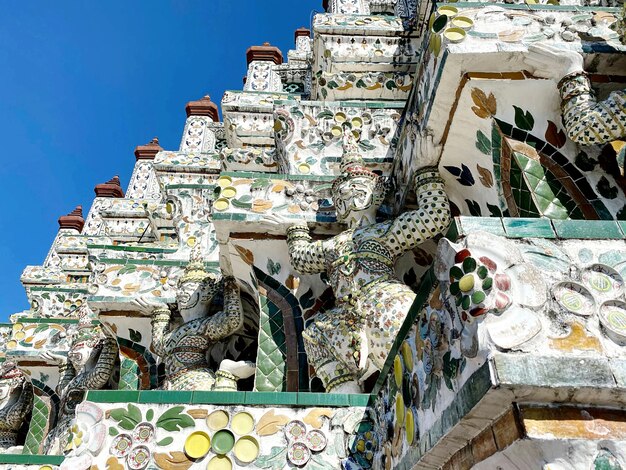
column 224, row 181
column 217, row 420
column 407, row 356
column 220, row 462
column 221, row 204
column 20, row 335
column 247, row 449
column 397, row 370
column 45, row 467
column 454, row 34
column 242, row 423
column 229, row 192
column 18, row 327
column 462, row 22
column 447, row 10
column 11, row 344
column 400, row 410
column 197, row 445
column 336, row 131
column 304, row 168
column 409, row 425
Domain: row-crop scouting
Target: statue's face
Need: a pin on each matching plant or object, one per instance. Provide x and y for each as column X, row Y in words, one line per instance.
column 10, row 377
column 80, row 352
column 192, row 295
column 354, row 196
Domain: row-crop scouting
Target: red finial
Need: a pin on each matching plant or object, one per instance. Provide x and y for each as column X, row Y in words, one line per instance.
column 266, row 52
column 111, row 188
column 73, row 220
column 148, row 151
column 203, row 107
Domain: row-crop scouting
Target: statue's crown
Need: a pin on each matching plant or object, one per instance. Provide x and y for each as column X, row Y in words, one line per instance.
column 195, row 270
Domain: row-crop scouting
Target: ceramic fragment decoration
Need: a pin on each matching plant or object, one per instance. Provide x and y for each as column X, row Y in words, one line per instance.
column 242, row 423
column 316, row 440
column 603, row 281
column 220, row 462
column 574, row 298
column 613, row 318
column 138, row 458
column 121, row 445
column 298, row 453
column 513, row 328
column 295, row 430
column 246, row 449
column 143, row 433
column 222, row 442
column 197, row 445
column 217, row 420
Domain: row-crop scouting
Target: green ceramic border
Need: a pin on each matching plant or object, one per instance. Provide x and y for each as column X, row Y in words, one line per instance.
column 24, row 459
column 295, row 399
column 80, row 290
column 140, row 249
column 539, row 228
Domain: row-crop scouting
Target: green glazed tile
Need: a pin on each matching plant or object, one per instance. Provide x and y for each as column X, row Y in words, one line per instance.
column 165, row 396
column 528, row 228
column 31, row 459
column 588, row 229
column 329, row 399
column 271, row 398
column 218, row 398
column 485, row 224
column 113, row 396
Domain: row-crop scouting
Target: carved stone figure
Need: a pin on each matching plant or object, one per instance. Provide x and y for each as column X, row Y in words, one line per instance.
column 16, row 402
column 89, row 365
column 586, row 120
column 351, row 341
column 184, row 348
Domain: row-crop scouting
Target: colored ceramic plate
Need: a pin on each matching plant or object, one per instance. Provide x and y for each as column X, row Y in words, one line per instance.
column 197, row 445
column 220, row 462
column 223, row 441
column 455, row 34
column 217, row 420
column 439, row 23
column 247, row 449
column 447, row 10
column 143, row 433
column 613, row 319
column 229, row 192
column 400, row 409
column 574, row 298
column 603, row 281
column 243, row 423
column 221, row 204
column 120, row 447
column 409, row 425
column 138, row 458
column 397, row 370
column 224, row 181
column 463, row 22
column 316, row 440
column 295, row 430
column 298, row 453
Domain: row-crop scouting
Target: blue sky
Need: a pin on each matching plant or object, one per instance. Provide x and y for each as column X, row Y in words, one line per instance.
column 84, row 82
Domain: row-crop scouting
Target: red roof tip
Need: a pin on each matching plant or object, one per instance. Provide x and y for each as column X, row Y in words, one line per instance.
column 266, row 52
column 111, row 188
column 302, row 32
column 148, row 151
column 203, row 107
column 73, row 220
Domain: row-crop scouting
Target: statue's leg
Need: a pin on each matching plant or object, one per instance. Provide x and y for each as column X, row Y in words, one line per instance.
column 330, row 354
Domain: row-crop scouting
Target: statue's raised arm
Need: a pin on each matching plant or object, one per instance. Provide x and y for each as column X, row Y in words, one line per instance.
column 587, row 121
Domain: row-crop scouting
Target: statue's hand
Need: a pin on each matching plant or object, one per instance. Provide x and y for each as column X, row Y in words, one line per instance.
column 55, row 357
column 547, row 61
column 148, row 304
column 428, row 152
